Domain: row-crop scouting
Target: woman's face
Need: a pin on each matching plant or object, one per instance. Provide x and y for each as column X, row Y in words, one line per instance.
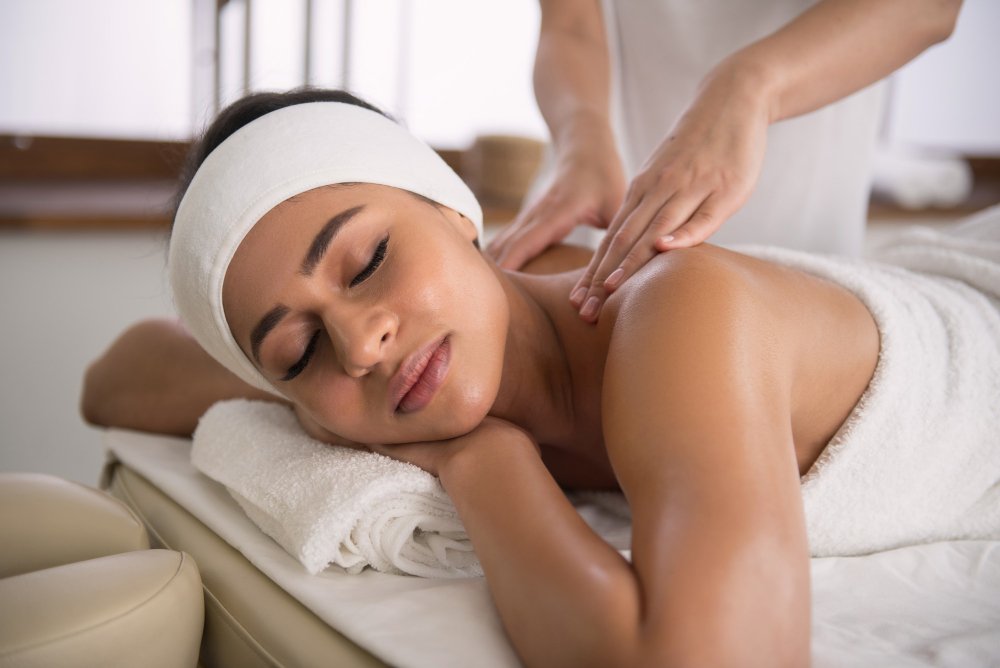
column 373, row 311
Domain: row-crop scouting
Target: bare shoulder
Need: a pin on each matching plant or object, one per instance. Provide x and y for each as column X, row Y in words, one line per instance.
column 699, row 358
column 702, row 288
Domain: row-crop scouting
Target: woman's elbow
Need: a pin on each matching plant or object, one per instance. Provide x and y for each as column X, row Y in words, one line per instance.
column 942, row 18
column 97, row 396
column 114, row 382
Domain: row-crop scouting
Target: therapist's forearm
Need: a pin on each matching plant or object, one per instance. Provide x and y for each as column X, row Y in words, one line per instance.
column 572, row 73
column 838, row 47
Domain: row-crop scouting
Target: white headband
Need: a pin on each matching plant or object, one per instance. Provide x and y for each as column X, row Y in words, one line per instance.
column 277, row 156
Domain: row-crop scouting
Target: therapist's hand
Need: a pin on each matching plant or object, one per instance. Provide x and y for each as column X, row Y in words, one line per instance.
column 587, row 190
column 700, row 174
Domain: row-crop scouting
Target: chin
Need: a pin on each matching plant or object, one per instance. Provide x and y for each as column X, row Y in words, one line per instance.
column 467, row 412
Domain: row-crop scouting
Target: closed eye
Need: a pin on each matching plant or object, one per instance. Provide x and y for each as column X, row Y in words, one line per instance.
column 297, row 368
column 376, row 260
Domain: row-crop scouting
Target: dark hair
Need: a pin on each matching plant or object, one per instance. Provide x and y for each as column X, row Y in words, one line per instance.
column 247, row 109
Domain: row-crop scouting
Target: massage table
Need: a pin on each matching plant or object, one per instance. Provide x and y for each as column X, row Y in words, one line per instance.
column 926, row 605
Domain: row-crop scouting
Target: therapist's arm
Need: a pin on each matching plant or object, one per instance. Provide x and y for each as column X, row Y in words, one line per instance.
column 838, row 47
column 572, row 73
column 572, row 87
column 707, row 166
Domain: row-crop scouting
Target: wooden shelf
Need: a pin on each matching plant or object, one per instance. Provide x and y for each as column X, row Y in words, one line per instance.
column 87, row 204
column 72, row 183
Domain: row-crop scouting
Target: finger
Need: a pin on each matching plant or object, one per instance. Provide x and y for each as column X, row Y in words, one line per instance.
column 578, row 294
column 499, row 240
column 595, row 292
column 700, row 225
column 546, row 223
column 660, row 230
column 641, row 252
column 579, row 291
column 525, row 219
column 499, row 248
column 502, row 238
column 633, row 198
column 610, row 275
column 621, row 243
column 533, row 238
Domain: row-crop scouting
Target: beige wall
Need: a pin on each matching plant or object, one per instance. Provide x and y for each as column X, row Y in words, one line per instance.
column 63, row 298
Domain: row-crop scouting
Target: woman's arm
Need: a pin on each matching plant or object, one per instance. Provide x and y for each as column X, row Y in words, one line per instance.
column 155, row 377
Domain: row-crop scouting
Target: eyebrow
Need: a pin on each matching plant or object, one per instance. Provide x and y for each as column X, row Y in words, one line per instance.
column 264, row 327
column 321, row 242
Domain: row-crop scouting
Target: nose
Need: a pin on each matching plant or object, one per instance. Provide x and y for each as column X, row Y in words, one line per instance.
column 361, row 338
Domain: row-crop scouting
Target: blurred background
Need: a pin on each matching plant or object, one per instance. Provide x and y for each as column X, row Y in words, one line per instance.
column 99, row 100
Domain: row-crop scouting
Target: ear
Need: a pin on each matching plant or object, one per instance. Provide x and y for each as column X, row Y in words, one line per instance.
column 464, row 225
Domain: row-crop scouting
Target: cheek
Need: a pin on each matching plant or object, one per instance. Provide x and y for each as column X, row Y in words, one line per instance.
column 337, row 406
column 485, row 319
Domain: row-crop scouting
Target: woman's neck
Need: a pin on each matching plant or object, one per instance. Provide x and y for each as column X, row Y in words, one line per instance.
column 544, row 382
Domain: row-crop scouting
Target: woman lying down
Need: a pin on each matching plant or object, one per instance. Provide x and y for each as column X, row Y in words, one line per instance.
column 323, row 256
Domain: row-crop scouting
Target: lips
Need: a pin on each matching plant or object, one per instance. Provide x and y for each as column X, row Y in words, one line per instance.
column 420, row 376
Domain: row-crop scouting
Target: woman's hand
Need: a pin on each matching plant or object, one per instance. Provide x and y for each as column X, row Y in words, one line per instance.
column 433, row 457
column 321, row 433
column 587, row 190
column 696, row 178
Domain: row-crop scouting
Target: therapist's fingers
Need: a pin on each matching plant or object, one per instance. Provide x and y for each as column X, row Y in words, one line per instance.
column 530, row 234
column 578, row 294
column 629, row 255
column 627, row 227
column 527, row 241
column 637, row 204
column 701, row 225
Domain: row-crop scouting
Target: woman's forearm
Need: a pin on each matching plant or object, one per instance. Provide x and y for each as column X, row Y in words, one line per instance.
column 155, row 377
column 838, row 47
column 565, row 596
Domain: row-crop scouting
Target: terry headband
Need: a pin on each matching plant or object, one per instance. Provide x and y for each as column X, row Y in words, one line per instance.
column 277, row 156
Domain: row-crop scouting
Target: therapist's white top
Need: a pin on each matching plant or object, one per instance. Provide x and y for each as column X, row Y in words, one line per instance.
column 812, row 193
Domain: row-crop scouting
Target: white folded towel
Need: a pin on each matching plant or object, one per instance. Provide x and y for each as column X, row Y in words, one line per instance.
column 326, row 504
column 332, row 505
column 918, row 460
